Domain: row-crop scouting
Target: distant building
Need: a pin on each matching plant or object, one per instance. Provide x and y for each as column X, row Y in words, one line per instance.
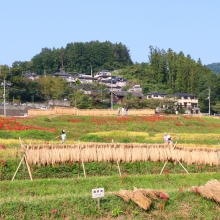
column 118, row 96
column 156, row 95
column 102, row 73
column 68, row 77
column 86, row 79
column 31, row 76
column 121, row 82
column 136, row 88
column 186, row 101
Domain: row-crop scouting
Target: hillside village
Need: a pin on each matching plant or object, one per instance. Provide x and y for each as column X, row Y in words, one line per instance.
column 182, row 101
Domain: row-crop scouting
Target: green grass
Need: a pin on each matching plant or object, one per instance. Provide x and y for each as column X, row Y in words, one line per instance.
column 58, row 193
column 142, row 129
column 72, row 198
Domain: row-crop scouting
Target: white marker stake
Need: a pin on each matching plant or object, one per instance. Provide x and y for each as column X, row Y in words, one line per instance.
column 97, row 194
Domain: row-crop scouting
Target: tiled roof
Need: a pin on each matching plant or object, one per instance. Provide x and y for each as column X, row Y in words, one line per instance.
column 124, row 93
column 182, row 94
column 157, row 93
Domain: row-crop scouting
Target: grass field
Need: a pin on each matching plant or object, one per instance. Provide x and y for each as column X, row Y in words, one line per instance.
column 57, row 191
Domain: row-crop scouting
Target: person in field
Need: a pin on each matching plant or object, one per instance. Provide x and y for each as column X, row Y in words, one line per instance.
column 119, row 110
column 165, row 138
column 63, row 136
column 169, row 139
column 126, row 110
column 122, row 111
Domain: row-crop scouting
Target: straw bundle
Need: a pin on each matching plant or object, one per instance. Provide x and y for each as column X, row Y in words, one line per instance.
column 137, row 197
column 104, row 152
column 123, row 194
column 141, row 197
column 211, row 190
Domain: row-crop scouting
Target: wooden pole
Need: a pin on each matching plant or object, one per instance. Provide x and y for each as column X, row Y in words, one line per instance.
column 218, row 155
column 17, row 168
column 182, row 166
column 78, row 169
column 84, row 171
column 78, row 159
column 98, row 202
column 119, row 170
column 163, row 168
column 20, row 141
column 177, row 161
column 111, row 164
column 29, row 170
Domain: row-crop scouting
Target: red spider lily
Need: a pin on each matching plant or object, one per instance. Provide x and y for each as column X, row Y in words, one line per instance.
column 3, row 147
column 196, row 189
column 53, row 211
column 12, row 124
column 2, row 163
column 164, row 196
column 167, row 171
column 75, row 120
column 180, row 189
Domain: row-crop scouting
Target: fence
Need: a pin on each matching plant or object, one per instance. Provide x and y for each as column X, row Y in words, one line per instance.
column 87, row 112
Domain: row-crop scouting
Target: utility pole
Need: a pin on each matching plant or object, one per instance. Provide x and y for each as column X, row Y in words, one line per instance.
column 3, row 93
column 4, row 99
column 45, row 74
column 209, row 100
column 111, row 95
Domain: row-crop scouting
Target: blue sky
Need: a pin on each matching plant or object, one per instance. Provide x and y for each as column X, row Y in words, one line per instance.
column 190, row 26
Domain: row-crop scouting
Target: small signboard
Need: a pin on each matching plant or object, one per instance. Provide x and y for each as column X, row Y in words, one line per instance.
column 97, row 193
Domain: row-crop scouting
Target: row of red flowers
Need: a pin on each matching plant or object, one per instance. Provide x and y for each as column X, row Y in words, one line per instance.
column 11, row 124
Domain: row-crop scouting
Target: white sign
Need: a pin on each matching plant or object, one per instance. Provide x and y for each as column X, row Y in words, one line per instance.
column 97, row 193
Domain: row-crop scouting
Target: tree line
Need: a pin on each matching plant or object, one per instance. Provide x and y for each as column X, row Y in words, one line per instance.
column 171, row 72
column 78, row 58
column 165, row 71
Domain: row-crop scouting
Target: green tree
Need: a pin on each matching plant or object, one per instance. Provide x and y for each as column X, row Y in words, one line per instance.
column 80, row 100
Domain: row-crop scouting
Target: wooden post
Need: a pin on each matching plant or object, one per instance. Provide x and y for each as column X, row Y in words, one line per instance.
column 29, row 170
column 163, row 168
column 119, row 170
column 182, row 166
column 80, row 156
column 17, row 168
column 84, row 171
column 218, row 155
column 98, row 202
column 111, row 164
column 78, row 160
column 173, row 147
column 78, row 169
column 24, row 160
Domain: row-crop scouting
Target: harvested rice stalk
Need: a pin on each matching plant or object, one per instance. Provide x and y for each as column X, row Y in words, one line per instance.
column 123, row 194
column 139, row 199
column 211, row 190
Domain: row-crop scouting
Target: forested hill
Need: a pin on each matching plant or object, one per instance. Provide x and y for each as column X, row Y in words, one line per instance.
column 79, row 58
column 214, row 67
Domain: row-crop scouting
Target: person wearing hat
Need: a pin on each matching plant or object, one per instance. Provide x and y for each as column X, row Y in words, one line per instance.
column 63, row 136
column 165, row 137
